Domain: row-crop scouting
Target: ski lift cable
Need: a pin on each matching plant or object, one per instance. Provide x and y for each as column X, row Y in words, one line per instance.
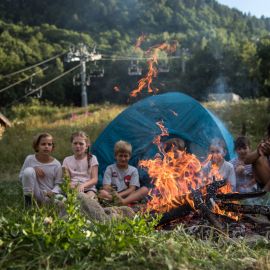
column 52, row 80
column 137, row 58
column 132, row 57
column 43, row 85
column 38, row 64
column 22, row 80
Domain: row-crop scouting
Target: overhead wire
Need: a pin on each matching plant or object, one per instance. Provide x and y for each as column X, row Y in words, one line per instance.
column 22, row 80
column 106, row 57
column 129, row 58
column 33, row 66
column 44, row 85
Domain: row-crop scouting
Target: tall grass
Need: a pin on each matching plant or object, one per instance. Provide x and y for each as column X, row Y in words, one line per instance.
column 29, row 120
column 28, row 242
column 253, row 113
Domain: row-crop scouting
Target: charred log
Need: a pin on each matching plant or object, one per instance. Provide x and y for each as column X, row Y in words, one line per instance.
column 211, row 191
column 201, row 207
column 180, row 211
column 239, row 196
column 245, row 209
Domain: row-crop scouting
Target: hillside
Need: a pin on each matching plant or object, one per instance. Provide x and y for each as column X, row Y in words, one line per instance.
column 215, row 44
column 133, row 17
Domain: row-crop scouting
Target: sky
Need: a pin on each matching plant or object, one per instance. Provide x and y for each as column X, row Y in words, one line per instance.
column 255, row 7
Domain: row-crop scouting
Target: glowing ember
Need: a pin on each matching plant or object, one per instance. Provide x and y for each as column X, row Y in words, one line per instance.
column 116, row 89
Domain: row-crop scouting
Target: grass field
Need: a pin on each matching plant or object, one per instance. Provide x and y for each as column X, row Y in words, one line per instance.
column 27, row 242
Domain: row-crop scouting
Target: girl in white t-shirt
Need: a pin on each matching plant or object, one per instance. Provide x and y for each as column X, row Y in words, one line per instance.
column 41, row 173
column 82, row 166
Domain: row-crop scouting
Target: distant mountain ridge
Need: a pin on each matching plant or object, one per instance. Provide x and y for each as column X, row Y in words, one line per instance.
column 132, row 16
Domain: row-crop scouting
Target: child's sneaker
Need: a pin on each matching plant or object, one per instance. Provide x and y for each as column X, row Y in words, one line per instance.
column 27, row 201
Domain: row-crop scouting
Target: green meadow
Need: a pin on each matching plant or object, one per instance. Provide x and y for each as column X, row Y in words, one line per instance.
column 27, row 241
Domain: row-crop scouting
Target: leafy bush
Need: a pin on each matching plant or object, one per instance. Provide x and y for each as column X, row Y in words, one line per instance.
column 34, row 108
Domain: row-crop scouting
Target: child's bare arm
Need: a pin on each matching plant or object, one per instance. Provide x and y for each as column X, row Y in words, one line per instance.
column 107, row 187
column 127, row 191
column 39, row 172
column 92, row 181
column 252, row 157
column 265, row 147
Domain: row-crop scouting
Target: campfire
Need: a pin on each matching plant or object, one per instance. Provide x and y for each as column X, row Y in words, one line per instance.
column 183, row 191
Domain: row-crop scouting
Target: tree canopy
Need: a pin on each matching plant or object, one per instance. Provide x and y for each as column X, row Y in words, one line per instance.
column 216, row 45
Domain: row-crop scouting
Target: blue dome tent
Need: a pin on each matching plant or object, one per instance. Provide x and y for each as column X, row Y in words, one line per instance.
column 182, row 115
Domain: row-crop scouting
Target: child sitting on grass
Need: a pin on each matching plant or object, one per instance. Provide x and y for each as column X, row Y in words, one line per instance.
column 122, row 177
column 82, row 166
column 175, row 145
column 41, row 173
column 245, row 181
column 217, row 150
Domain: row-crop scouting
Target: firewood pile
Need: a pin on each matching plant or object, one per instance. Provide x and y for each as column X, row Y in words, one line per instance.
column 232, row 218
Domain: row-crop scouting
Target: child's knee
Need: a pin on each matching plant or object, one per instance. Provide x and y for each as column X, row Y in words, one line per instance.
column 144, row 190
column 91, row 195
column 29, row 175
column 103, row 193
column 29, row 172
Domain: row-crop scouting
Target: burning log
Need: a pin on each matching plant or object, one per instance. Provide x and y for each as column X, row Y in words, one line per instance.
column 202, row 204
column 180, row 211
column 182, row 188
column 245, row 209
column 203, row 209
column 211, row 191
column 239, row 196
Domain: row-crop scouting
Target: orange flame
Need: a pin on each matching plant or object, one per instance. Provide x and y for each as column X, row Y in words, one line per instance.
column 157, row 139
column 175, row 175
column 152, row 69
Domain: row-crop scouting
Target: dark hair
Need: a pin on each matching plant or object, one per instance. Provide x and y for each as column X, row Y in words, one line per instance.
column 178, row 143
column 218, row 142
column 241, row 142
column 38, row 137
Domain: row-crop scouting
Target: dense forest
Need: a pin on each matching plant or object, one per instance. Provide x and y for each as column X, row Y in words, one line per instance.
column 218, row 49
